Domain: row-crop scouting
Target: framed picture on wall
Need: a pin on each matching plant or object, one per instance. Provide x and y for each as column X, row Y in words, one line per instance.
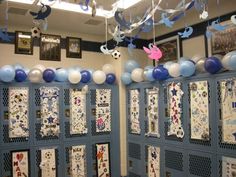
column 73, row 47
column 50, row 47
column 222, row 42
column 23, row 43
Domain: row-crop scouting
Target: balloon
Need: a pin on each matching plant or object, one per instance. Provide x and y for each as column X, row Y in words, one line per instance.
column 226, row 58
column 182, row 59
column 174, row 70
column 26, row 70
column 196, row 58
column 74, row 76
column 61, row 75
column 200, row 65
column 187, row 68
column 108, row 68
column 7, row 73
column 49, row 75
column 148, row 75
column 126, row 78
column 148, row 67
column 52, row 68
column 85, row 76
column 18, row 66
column 35, row 75
column 111, row 78
column 232, row 62
column 167, row 64
column 40, row 67
column 160, row 73
column 213, row 65
column 99, row 77
column 20, row 75
column 77, row 68
column 91, row 71
column 137, row 75
column 130, row 65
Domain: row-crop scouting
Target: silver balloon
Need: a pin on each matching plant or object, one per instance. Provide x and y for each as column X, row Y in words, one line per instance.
column 35, row 75
column 200, row 65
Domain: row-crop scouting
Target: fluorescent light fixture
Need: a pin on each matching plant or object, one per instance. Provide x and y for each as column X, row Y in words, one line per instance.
column 23, row 1
column 125, row 4
column 24, row 36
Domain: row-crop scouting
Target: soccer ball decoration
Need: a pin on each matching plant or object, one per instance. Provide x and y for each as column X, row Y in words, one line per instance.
column 35, row 32
column 115, row 54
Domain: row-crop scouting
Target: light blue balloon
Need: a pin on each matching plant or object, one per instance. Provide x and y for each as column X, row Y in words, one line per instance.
column 148, row 75
column 148, row 67
column 167, row 64
column 187, row 68
column 7, row 73
column 130, row 65
column 232, row 62
column 126, row 78
column 182, row 59
column 18, row 66
column 61, row 75
column 91, row 71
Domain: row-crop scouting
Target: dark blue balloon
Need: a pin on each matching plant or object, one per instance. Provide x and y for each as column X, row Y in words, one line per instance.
column 212, row 65
column 111, row 78
column 85, row 76
column 49, row 75
column 20, row 75
column 160, row 73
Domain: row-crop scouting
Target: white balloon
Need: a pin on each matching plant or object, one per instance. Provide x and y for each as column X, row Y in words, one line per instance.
column 35, row 75
column 99, row 77
column 174, row 70
column 196, row 58
column 226, row 58
column 74, row 77
column 137, row 75
column 108, row 68
column 40, row 67
column 233, row 19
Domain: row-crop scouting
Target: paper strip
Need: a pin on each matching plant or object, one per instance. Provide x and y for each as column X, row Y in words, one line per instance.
column 153, row 161
column 78, row 161
column 228, row 167
column 103, row 160
column 20, row 164
column 48, row 163
column 134, row 112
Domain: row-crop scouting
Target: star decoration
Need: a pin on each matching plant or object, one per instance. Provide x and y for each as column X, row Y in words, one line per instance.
column 174, row 92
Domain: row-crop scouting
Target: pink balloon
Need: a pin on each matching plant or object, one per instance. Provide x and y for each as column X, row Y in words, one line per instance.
column 153, row 52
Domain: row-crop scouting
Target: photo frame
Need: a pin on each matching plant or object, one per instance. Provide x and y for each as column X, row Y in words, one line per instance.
column 73, row 47
column 50, row 47
column 20, row 160
column 23, row 43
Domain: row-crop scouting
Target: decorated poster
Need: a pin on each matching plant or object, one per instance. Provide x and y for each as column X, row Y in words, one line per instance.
column 153, row 161
column 103, row 110
column 228, row 167
column 175, row 108
column 49, row 111
column 134, row 112
column 152, row 112
column 78, row 124
column 20, row 163
column 48, row 163
column 199, row 110
column 228, row 110
column 18, row 112
column 78, row 161
column 103, row 160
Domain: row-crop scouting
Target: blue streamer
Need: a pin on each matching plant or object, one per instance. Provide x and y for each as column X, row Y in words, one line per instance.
column 121, row 20
column 41, row 15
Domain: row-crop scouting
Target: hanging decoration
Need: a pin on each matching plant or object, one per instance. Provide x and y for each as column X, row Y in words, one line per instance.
column 115, row 54
column 105, row 50
column 94, row 8
column 121, row 20
column 153, row 161
column 217, row 26
column 203, row 15
column 43, row 13
column 18, row 112
column 233, row 19
column 187, row 32
column 84, row 6
column 131, row 45
column 147, row 26
column 3, row 31
column 103, row 159
column 35, row 32
column 48, row 163
column 165, row 20
column 117, row 36
column 153, row 52
column 134, row 112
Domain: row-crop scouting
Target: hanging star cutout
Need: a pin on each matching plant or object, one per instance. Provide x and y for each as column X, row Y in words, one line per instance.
column 50, row 120
column 174, row 92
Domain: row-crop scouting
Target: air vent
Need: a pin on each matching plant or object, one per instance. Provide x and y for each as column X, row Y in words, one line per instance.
column 17, row 11
column 93, row 22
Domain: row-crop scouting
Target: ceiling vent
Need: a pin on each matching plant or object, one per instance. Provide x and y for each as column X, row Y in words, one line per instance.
column 93, row 22
column 17, row 11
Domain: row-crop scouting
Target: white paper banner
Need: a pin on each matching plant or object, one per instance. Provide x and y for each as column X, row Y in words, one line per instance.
column 228, row 110
column 153, row 161
column 152, row 112
column 49, row 111
column 20, row 164
column 103, row 160
column 134, row 112
column 18, row 112
column 48, row 163
column 78, row 124
column 103, row 110
column 228, row 167
column 78, row 161
column 199, row 110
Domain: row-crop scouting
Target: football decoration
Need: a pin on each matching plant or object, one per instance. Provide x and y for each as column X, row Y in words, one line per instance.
column 116, row 54
column 35, row 32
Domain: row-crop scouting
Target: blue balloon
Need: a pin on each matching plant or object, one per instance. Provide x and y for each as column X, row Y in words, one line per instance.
column 20, row 75
column 126, row 78
column 85, row 76
column 148, row 75
column 110, row 78
column 48, row 75
column 61, row 75
column 182, row 59
column 160, row 73
column 7, row 73
column 232, row 62
column 187, row 68
column 130, row 65
column 212, row 65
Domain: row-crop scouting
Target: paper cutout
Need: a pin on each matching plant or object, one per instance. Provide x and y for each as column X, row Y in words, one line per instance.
column 43, row 13
column 187, row 32
column 175, row 108
column 203, row 15
column 217, row 26
column 228, row 110
column 117, row 36
column 105, row 50
column 103, row 110
column 78, row 124
column 153, row 52
column 147, row 26
column 4, row 35
column 48, row 163
column 166, row 20
column 153, row 161
column 103, row 160
column 131, row 45
column 208, row 34
column 78, row 161
column 121, row 20
column 134, row 112
column 20, row 164
column 153, row 112
column 199, row 110
column 228, row 167
column 49, row 111
column 233, row 19
column 18, row 112
column 84, row 6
